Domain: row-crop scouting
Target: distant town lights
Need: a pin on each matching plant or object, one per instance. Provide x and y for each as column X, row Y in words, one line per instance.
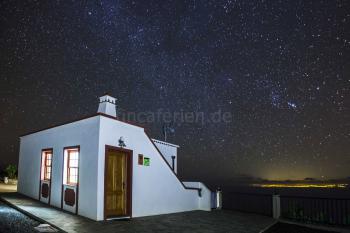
column 301, row 185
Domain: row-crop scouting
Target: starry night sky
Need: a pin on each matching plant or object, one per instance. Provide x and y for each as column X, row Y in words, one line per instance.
column 281, row 68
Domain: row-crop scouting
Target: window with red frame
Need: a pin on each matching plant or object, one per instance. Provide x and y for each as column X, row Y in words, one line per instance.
column 72, row 166
column 47, row 164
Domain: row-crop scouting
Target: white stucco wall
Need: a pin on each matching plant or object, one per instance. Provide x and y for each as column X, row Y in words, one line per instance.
column 83, row 133
column 204, row 201
column 155, row 190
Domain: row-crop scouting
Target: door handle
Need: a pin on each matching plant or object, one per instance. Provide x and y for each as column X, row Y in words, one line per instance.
column 123, row 185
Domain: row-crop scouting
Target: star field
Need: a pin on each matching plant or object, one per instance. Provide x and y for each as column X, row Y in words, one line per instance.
column 281, row 69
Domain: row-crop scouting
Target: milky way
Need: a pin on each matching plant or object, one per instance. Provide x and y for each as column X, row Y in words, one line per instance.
column 279, row 69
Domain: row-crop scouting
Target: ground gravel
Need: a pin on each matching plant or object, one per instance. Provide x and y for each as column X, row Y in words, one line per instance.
column 12, row 221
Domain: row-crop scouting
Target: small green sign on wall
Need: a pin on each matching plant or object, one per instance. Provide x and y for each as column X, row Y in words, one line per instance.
column 146, row 161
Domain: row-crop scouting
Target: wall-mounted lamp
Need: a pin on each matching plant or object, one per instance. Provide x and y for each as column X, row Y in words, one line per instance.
column 121, row 142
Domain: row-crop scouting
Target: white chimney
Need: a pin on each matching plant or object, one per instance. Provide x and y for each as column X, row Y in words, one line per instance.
column 107, row 105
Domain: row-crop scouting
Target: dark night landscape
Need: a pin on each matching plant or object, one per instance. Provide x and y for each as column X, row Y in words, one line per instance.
column 109, row 109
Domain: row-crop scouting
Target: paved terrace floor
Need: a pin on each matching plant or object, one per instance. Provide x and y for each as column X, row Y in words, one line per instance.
column 191, row 222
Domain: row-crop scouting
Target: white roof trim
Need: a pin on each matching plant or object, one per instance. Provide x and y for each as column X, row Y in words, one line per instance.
column 164, row 143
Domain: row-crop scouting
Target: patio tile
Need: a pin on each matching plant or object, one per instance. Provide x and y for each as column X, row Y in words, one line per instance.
column 186, row 222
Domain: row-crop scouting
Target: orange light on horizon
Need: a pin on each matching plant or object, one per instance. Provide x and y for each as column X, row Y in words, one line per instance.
column 301, row 185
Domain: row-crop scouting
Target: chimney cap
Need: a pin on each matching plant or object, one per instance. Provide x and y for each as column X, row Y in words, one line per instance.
column 108, row 98
column 107, row 105
column 106, row 93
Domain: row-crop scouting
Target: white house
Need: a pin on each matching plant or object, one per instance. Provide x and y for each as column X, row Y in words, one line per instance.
column 103, row 168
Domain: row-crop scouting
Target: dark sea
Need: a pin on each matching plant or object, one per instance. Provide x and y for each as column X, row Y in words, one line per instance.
column 303, row 192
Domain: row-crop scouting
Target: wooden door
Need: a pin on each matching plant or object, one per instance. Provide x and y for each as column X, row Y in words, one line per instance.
column 116, row 183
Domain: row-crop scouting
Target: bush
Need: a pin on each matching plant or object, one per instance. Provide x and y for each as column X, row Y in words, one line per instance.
column 11, row 171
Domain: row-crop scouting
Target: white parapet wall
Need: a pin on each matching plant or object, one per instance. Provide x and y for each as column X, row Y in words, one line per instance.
column 169, row 151
column 204, row 201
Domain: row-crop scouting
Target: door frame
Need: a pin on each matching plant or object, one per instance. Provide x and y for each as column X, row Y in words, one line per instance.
column 129, row 160
column 62, row 181
column 41, row 165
